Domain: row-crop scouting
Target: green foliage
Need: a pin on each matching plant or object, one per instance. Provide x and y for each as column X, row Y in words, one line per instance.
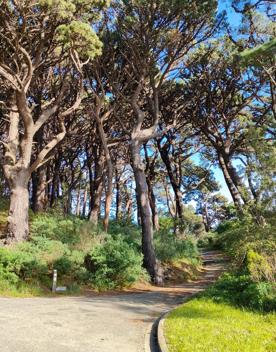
column 240, row 290
column 85, row 255
column 33, row 262
column 250, row 245
column 258, row 267
column 209, row 240
column 169, row 247
column 68, row 230
column 129, row 231
column 260, row 52
column 74, row 24
column 80, row 37
column 65, row 230
column 115, row 264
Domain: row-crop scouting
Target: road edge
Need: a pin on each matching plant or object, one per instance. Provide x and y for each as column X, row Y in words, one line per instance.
column 161, row 340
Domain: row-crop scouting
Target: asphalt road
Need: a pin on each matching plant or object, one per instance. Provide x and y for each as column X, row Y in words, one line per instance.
column 107, row 323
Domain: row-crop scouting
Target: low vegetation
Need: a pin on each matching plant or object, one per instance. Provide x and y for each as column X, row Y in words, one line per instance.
column 204, row 325
column 86, row 257
column 251, row 248
column 237, row 313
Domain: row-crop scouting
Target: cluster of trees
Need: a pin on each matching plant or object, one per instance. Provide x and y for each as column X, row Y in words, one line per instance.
column 122, row 106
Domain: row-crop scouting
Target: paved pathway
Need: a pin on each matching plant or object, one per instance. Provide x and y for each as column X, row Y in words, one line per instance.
column 115, row 323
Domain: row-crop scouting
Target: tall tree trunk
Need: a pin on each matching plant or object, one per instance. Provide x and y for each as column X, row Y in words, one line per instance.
column 17, row 224
column 175, row 185
column 237, row 180
column 40, row 199
column 55, row 183
column 171, row 208
column 150, row 262
column 109, row 166
column 84, row 202
column 78, row 202
column 231, row 185
column 205, row 217
column 108, row 194
column 96, row 192
column 118, row 196
column 34, row 191
column 152, row 199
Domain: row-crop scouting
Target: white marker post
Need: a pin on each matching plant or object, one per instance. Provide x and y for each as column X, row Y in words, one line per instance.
column 54, row 287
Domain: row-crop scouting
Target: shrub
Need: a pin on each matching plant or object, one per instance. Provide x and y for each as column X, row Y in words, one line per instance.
column 74, row 232
column 25, row 265
column 240, row 290
column 170, row 248
column 252, row 247
column 71, row 264
column 130, row 232
column 34, row 261
column 209, row 240
column 7, row 277
column 258, row 267
column 57, row 228
column 114, row 264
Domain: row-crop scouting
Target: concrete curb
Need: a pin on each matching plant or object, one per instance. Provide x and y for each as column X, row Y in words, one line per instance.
column 162, row 344
column 161, row 341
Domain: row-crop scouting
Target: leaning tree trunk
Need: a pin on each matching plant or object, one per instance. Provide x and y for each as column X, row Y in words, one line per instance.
column 175, row 185
column 231, row 185
column 109, row 167
column 149, row 262
column 84, row 202
column 118, row 196
column 17, row 223
column 96, row 191
column 152, row 200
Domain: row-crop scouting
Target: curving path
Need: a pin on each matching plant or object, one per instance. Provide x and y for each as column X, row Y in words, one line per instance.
column 107, row 323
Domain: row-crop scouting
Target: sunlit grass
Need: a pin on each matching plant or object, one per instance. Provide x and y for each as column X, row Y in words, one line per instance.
column 23, row 290
column 204, row 326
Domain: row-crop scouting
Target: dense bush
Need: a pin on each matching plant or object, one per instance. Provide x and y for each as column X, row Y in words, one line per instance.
column 130, row 232
column 34, row 261
column 58, row 228
column 85, row 255
column 170, row 248
column 252, row 250
column 114, row 264
column 241, row 235
column 240, row 290
column 209, row 241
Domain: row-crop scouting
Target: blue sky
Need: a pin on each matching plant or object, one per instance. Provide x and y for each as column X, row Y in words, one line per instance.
column 233, row 18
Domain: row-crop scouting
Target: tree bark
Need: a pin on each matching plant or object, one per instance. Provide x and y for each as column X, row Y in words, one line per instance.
column 118, row 196
column 97, row 189
column 17, row 222
column 78, row 207
column 84, row 202
column 39, row 199
column 109, row 167
column 152, row 200
column 175, row 185
column 231, row 185
column 149, row 262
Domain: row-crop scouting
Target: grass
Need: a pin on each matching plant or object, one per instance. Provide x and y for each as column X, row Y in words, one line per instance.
column 22, row 291
column 204, row 326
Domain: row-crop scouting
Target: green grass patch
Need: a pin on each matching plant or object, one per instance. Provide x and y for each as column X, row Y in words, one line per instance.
column 202, row 325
